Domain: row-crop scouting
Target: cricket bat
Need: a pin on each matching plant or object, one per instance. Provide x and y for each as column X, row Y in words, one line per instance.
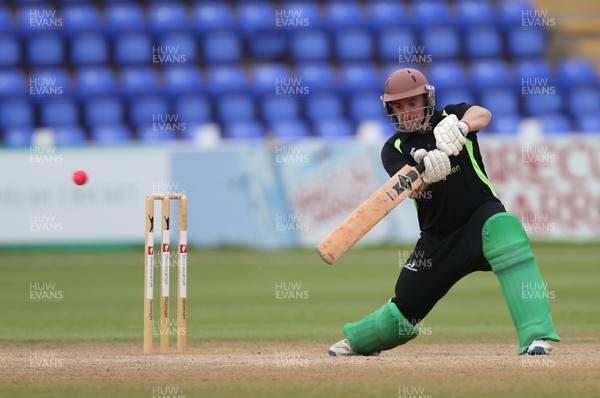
column 370, row 212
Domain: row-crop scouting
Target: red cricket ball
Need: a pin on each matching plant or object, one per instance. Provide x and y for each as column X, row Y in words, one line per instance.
column 80, row 177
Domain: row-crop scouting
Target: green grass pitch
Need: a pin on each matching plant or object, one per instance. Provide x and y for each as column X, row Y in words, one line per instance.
column 275, row 296
column 271, row 296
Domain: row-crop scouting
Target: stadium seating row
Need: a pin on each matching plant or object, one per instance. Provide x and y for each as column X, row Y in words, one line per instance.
column 62, row 109
column 252, row 16
column 341, row 127
column 400, row 44
column 314, row 76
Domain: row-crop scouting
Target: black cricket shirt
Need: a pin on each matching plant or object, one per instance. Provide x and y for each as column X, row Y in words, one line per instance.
column 446, row 205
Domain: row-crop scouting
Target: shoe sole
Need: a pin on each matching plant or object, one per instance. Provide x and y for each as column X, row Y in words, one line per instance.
column 333, row 354
column 537, row 351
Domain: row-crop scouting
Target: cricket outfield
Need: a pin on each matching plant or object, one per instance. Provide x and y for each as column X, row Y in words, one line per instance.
column 260, row 322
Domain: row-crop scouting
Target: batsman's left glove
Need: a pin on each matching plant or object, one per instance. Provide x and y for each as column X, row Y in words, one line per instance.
column 450, row 135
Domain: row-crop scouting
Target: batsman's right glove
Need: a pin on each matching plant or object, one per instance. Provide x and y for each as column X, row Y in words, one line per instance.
column 437, row 164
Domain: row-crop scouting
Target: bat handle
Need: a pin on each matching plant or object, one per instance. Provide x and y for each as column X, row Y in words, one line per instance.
column 420, row 167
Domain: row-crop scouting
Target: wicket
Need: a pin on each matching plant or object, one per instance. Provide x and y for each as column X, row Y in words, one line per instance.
column 164, row 274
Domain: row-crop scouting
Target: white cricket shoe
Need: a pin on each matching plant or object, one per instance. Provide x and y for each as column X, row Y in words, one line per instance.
column 539, row 347
column 344, row 348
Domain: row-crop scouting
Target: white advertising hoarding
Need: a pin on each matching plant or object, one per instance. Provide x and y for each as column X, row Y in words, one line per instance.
column 551, row 184
column 40, row 204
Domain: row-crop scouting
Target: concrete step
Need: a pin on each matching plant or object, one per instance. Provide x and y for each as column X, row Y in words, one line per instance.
column 580, row 26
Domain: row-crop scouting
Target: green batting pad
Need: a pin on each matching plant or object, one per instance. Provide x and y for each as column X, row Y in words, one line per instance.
column 506, row 247
column 382, row 330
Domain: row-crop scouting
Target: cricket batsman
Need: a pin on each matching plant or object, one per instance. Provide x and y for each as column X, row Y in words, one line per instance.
column 464, row 226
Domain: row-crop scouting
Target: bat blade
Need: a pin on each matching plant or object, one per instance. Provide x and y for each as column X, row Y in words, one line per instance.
column 370, row 212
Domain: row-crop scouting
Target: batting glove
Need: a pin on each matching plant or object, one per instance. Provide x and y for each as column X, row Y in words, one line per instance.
column 450, row 135
column 437, row 164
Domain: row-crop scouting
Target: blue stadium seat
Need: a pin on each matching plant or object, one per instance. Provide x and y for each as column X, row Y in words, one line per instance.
column 226, row 79
column 69, row 135
column 386, row 14
column 38, row 19
column 444, row 75
column 167, row 17
column 185, row 79
column 441, row 42
column 299, row 14
column 268, row 45
column 394, row 42
column 79, row 18
column 353, row 44
column 343, row 14
column 264, row 77
column 576, row 72
column 139, row 80
column 7, row 24
column 510, row 13
column 472, row 13
column 93, row 81
column 490, row 73
column 13, row 83
column 588, row 123
column 175, row 48
column 247, row 130
column 309, row 45
column 50, row 82
column 276, row 107
column 10, row 50
column 18, row 136
column 154, row 135
column 16, row 112
column 45, row 49
column 255, row 16
column 103, row 110
column 366, row 107
column 123, row 17
column 583, row 99
column 526, row 42
column 132, row 48
column 59, row 112
column 323, row 105
column 359, row 77
column 193, row 109
column 89, row 49
column 211, row 16
column 149, row 109
column 111, row 134
column 453, row 96
column 537, row 105
column 318, row 76
column 222, row 47
column 507, row 124
column 289, row 130
column 500, row 101
column 483, row 42
column 532, row 69
column 334, row 128
column 556, row 123
column 235, row 108
column 427, row 14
